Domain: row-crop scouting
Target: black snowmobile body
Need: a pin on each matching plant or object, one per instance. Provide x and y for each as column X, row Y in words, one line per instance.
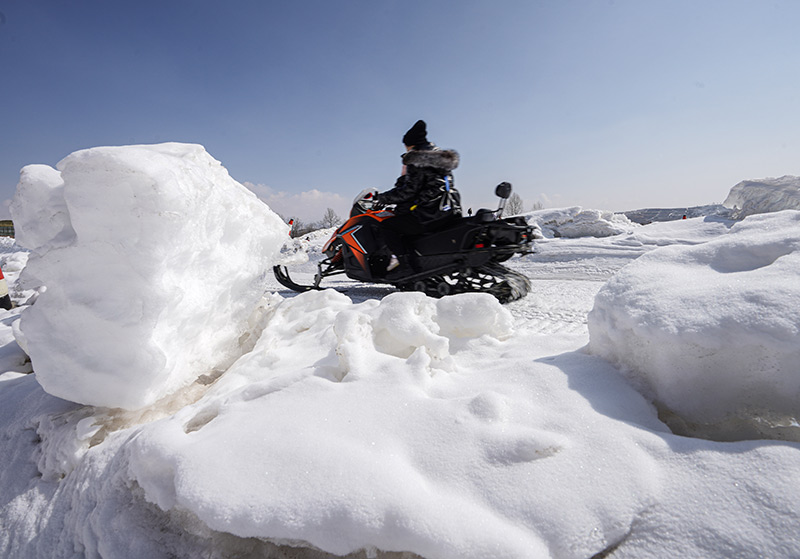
column 463, row 256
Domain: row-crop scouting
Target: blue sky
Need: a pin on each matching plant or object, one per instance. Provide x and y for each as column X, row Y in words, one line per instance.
column 607, row 104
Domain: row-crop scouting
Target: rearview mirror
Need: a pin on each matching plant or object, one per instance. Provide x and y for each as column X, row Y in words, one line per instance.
column 503, row 190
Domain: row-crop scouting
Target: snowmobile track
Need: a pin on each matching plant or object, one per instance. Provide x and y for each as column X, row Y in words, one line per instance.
column 505, row 284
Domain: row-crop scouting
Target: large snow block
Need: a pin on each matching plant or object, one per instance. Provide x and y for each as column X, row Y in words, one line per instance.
column 764, row 196
column 153, row 259
column 710, row 332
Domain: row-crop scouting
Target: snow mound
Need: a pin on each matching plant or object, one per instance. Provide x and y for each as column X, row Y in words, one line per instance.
column 709, row 332
column 153, row 259
column 296, row 250
column 690, row 231
column 764, row 196
column 375, row 425
column 577, row 222
column 646, row 216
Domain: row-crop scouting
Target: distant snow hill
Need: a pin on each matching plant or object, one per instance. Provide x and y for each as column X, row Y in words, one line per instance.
column 650, row 215
column 748, row 197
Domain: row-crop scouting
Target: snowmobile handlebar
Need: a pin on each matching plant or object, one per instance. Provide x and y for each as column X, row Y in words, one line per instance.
column 365, row 200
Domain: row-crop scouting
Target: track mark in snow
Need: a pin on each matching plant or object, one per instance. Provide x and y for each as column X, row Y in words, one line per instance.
column 488, row 406
column 507, row 444
column 522, row 447
column 201, row 419
column 548, row 322
column 552, row 309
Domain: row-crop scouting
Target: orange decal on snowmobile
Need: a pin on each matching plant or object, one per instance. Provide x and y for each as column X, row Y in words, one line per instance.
column 349, row 229
column 377, row 215
column 348, row 237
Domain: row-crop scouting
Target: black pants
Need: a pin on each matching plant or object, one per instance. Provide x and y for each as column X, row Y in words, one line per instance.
column 398, row 230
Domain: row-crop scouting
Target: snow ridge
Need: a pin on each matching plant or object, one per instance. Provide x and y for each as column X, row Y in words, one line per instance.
column 752, row 197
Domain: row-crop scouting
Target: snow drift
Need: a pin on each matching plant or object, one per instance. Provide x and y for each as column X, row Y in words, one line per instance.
column 710, row 331
column 153, row 259
column 764, row 196
column 579, row 222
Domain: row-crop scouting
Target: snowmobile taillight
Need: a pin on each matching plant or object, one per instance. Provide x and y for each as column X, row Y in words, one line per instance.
column 479, row 245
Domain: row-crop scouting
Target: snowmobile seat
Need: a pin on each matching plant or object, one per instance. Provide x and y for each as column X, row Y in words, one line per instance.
column 483, row 215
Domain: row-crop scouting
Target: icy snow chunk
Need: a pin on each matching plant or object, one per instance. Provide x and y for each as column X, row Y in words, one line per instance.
column 296, row 250
column 350, row 339
column 153, row 258
column 41, row 217
column 764, row 196
column 710, row 332
column 472, row 316
column 692, row 231
column 578, row 222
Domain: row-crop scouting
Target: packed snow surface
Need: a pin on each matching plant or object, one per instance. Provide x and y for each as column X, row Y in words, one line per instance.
column 371, row 423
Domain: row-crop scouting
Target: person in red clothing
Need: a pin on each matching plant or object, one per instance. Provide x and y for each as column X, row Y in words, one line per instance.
column 5, row 298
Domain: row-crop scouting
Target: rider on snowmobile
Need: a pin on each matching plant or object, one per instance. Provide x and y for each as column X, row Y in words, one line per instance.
column 448, row 254
column 424, row 195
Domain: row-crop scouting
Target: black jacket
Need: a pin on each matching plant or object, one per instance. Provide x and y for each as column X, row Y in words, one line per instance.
column 427, row 190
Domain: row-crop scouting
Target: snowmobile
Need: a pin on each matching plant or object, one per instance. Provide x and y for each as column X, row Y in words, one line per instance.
column 466, row 255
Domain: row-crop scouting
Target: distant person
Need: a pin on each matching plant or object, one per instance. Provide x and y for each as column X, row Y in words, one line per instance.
column 424, row 195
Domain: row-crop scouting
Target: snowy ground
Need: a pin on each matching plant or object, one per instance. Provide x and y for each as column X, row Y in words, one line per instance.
column 368, row 423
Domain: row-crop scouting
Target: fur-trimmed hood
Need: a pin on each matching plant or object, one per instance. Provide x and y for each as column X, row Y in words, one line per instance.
column 446, row 159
